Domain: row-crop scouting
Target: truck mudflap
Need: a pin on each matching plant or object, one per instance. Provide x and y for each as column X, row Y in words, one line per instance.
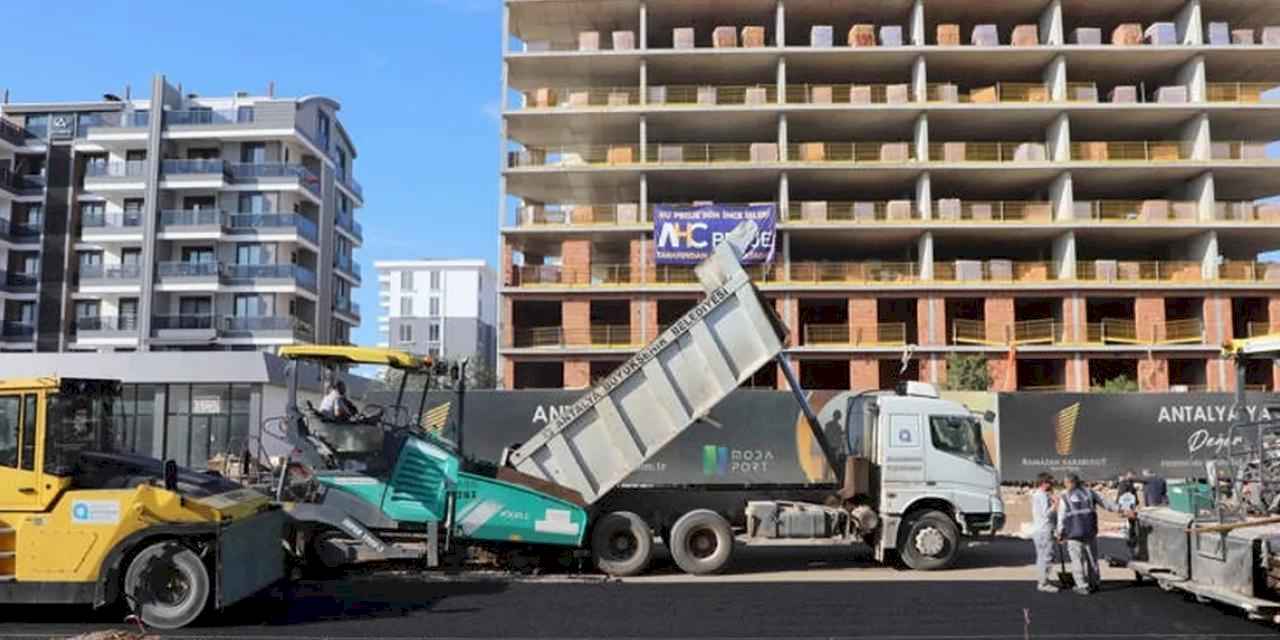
column 250, row 556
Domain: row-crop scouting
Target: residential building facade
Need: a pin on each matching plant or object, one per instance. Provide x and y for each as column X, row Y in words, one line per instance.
column 177, row 222
column 441, row 308
column 1071, row 191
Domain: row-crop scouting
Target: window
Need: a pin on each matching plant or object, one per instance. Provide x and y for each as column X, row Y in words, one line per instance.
column 255, row 254
column 90, row 258
column 38, row 125
column 195, row 306
column 406, row 307
column 322, row 130
column 433, row 332
column 435, row 307
column 342, row 163
column 384, row 286
column 200, row 203
column 93, row 214
column 135, row 155
column 959, row 435
column 128, row 312
column 131, row 257
column 204, row 154
column 254, row 203
column 253, row 152
column 35, row 214
column 10, row 420
column 252, row 306
column 197, row 255
column 29, row 433
column 406, row 281
column 133, row 211
column 87, row 309
column 406, row 333
column 435, row 280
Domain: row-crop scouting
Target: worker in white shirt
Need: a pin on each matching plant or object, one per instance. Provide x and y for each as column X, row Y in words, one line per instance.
column 1043, row 524
column 335, row 406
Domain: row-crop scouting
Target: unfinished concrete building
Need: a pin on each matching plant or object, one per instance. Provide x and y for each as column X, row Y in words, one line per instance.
column 1071, row 190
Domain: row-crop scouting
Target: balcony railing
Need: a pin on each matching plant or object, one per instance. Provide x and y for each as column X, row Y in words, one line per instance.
column 1242, row 92
column 19, row 282
column 1107, row 271
column 851, row 272
column 994, row 271
column 193, row 218
column 1055, row 332
column 189, row 322
column 887, row 334
column 189, row 269
column 348, row 222
column 299, row 328
column 209, row 116
column 12, row 133
column 712, row 96
column 595, row 336
column 345, row 263
column 193, row 167
column 581, row 214
column 1257, row 329
column 1024, row 212
column 987, row 152
column 893, row 211
column 244, row 221
column 1240, row 150
column 848, row 94
column 250, row 273
column 1247, row 271
column 107, row 324
column 255, row 171
column 17, row 331
column 991, row 94
column 110, row 272
column 582, row 97
column 1143, row 151
column 1137, row 211
column 96, row 220
column 346, row 305
column 20, row 231
column 851, row 152
column 126, row 169
column 1246, row 212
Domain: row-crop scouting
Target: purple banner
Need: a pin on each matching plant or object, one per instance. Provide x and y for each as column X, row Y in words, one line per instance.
column 686, row 234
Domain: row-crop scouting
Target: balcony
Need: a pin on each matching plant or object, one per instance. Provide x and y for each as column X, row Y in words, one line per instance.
column 1240, row 151
column 19, row 282
column 580, row 215
column 1246, row 212
column 195, row 169
column 1257, row 329
column 105, row 226
column 189, row 271
column 209, row 117
column 275, row 173
column 345, row 264
column 98, row 275
column 136, row 169
column 582, row 98
column 277, row 328
column 820, row 212
column 594, row 337
column 17, row 331
column 344, row 305
column 959, row 152
column 20, row 232
column 1142, row 151
column 90, row 327
column 824, row 273
column 1241, row 92
column 261, row 275
column 347, row 223
column 855, row 94
column 199, row 328
column 116, row 120
column 193, row 220
column 1004, row 271
column 1244, row 271
column 1050, row 332
column 677, row 96
column 1137, row 211
column 268, row 223
column 890, row 334
column 347, row 180
column 851, row 152
column 987, row 212
column 1128, row 271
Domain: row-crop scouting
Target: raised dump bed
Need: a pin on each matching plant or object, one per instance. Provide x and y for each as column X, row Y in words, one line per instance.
column 666, row 387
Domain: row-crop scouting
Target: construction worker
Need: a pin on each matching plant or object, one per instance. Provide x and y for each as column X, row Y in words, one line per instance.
column 1078, row 527
column 1155, row 491
column 1043, row 515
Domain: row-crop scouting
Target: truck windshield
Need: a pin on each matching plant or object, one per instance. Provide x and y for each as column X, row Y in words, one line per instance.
column 959, row 435
column 76, row 422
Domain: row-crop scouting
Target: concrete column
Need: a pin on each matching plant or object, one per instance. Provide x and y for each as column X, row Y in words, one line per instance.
column 1055, row 78
column 644, row 198
column 1192, row 75
column 998, row 317
column 920, row 138
column 864, row 374
column 1218, row 321
column 644, row 26
column 1198, row 133
column 575, row 260
column 1204, row 249
column 644, row 83
column 1004, row 373
column 783, row 137
column 644, row 139
column 916, row 28
column 1148, row 316
column 920, row 79
column 931, row 321
column 1062, row 195
column 1064, row 256
column 1051, row 30
column 782, row 81
column 784, row 196
column 1058, row 138
column 925, row 263
column 1073, row 316
column 1077, row 370
column 924, row 196
column 780, row 24
column 786, row 256
column 1190, row 23
column 1201, row 191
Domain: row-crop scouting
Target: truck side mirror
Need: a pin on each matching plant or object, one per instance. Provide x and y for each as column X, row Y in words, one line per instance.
column 170, row 475
column 454, row 373
column 989, row 415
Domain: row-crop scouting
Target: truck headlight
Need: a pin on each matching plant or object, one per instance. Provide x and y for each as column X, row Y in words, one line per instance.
column 997, row 504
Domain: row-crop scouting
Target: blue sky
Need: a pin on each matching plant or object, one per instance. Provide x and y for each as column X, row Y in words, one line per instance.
column 418, row 81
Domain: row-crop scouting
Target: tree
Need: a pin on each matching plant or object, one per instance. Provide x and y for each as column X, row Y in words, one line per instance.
column 967, row 372
column 1118, row 384
column 479, row 375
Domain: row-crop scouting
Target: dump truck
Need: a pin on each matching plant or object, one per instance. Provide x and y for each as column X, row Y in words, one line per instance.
column 1219, row 538
column 83, row 522
column 917, row 480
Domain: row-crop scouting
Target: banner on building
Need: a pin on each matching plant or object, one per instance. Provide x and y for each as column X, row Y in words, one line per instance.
column 687, row 234
column 1100, row 435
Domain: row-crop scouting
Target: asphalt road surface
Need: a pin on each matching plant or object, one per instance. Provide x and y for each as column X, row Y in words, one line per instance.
column 767, row 597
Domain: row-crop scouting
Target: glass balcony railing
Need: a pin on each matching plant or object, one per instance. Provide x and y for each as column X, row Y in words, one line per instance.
column 16, row 329
column 110, row 272
column 174, row 167
column 348, row 222
column 20, row 230
column 19, row 281
column 245, row 221
column 267, row 324
column 347, row 264
column 107, row 324
column 191, row 322
column 99, row 220
column 209, row 117
column 126, row 169
column 268, row 170
column 193, row 218
column 346, row 305
column 189, row 269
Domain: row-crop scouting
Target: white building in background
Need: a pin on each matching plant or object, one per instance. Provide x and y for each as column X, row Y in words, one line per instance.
column 444, row 308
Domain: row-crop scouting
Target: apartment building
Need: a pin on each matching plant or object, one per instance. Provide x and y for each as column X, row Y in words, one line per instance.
column 444, row 308
column 177, row 222
column 1072, row 190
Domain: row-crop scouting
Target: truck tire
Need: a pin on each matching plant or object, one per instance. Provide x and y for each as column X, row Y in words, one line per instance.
column 929, row 541
column 701, row 542
column 167, row 585
column 622, row 544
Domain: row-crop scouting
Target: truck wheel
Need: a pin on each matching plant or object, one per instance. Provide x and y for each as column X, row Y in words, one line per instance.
column 167, row 585
column 622, row 544
column 929, row 541
column 701, row 542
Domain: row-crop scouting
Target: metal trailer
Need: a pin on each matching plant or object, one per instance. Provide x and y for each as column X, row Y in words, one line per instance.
column 1226, row 550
